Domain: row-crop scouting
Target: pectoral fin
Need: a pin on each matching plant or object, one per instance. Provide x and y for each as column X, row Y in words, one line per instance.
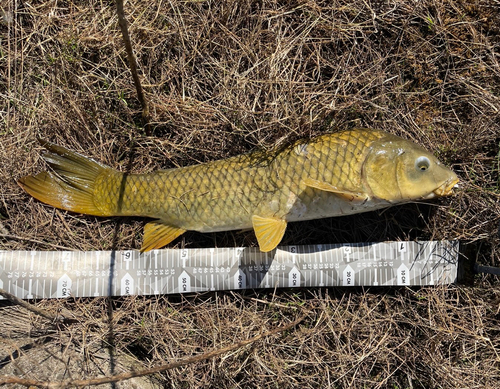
column 347, row 194
column 157, row 235
column 269, row 231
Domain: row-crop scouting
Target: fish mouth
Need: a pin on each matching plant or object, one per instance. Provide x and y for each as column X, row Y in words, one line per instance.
column 447, row 188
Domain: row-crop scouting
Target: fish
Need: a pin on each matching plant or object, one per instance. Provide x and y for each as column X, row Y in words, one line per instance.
column 333, row 174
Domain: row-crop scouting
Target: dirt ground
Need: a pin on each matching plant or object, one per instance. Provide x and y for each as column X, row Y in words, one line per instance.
column 227, row 77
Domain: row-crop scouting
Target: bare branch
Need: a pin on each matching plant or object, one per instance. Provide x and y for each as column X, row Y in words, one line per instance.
column 31, row 307
column 133, row 65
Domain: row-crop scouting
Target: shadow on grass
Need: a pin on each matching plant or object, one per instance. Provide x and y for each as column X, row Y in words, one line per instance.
column 114, row 245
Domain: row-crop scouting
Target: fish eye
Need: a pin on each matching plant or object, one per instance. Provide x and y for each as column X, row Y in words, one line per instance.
column 422, row 163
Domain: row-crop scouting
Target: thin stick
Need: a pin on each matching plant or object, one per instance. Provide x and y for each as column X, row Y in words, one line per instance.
column 133, row 65
column 141, row 373
column 30, row 307
column 17, row 237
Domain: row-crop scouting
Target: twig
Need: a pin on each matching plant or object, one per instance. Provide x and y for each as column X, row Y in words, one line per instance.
column 133, row 65
column 31, row 307
column 16, row 237
column 153, row 370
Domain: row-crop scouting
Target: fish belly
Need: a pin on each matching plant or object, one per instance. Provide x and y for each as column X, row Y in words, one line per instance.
column 320, row 204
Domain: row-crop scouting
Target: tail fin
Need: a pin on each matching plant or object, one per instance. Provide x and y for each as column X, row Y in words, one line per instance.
column 71, row 186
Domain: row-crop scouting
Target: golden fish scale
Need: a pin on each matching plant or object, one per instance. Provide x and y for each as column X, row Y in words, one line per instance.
column 225, row 194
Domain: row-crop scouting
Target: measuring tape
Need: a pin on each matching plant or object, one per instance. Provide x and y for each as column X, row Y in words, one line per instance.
column 60, row 274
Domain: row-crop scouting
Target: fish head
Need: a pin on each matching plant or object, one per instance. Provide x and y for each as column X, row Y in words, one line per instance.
column 399, row 170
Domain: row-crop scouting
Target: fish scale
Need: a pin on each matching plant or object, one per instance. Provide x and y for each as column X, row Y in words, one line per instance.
column 330, row 175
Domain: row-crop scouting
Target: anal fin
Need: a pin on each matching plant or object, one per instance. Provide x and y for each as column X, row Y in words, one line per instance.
column 269, row 231
column 158, row 234
column 347, row 194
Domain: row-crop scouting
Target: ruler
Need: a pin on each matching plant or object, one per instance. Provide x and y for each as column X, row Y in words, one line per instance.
column 62, row 274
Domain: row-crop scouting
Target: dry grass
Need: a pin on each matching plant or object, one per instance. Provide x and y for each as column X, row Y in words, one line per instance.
column 225, row 77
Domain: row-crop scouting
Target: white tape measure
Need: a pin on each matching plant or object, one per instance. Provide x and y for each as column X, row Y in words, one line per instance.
column 60, row 274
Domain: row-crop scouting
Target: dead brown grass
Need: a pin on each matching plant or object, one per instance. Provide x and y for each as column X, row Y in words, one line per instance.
column 226, row 77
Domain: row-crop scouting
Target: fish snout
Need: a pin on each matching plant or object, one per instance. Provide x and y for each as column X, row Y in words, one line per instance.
column 447, row 188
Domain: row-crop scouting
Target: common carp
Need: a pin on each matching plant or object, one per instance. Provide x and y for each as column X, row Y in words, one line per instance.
column 331, row 175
